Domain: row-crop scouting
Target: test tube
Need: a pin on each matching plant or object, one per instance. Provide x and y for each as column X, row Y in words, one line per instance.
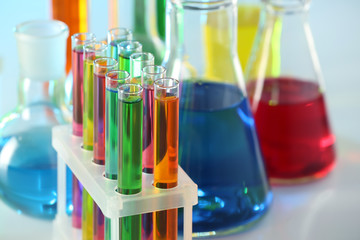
column 98, row 223
column 126, row 48
column 166, row 142
column 78, row 41
column 101, row 67
column 114, row 79
column 130, row 112
column 137, row 62
column 114, row 37
column 92, row 51
column 149, row 74
column 87, row 216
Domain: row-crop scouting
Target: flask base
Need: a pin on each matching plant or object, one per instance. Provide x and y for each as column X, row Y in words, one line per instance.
column 302, row 180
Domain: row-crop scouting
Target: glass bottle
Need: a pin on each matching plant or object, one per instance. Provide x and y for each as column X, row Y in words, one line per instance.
column 288, row 104
column 74, row 13
column 142, row 21
column 28, row 163
column 218, row 146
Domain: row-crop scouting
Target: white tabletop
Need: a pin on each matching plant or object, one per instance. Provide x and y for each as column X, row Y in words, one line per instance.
column 326, row 209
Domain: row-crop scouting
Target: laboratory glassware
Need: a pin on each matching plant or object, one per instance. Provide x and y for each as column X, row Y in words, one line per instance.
column 130, row 116
column 28, row 163
column 289, row 104
column 218, row 146
column 114, row 37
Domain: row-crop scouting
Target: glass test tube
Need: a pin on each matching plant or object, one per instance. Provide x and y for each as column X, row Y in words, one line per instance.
column 92, row 51
column 126, row 48
column 98, row 223
column 137, row 62
column 101, row 67
column 166, row 142
column 149, row 75
column 78, row 41
column 114, row 37
column 130, row 112
column 114, row 79
column 87, row 216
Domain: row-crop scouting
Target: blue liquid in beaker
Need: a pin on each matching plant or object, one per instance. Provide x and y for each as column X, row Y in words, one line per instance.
column 219, row 150
column 28, row 172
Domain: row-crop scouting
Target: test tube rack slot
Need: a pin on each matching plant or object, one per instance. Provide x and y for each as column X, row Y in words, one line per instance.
column 103, row 190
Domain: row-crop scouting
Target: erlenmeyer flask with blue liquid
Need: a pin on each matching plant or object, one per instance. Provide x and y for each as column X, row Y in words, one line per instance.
column 28, row 163
column 218, row 145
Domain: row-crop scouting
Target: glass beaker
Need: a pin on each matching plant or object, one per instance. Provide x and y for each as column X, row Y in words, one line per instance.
column 28, row 163
column 288, row 104
column 218, row 145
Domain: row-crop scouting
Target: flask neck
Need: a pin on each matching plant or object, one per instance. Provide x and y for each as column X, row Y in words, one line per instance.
column 203, row 36
column 37, row 92
column 145, row 17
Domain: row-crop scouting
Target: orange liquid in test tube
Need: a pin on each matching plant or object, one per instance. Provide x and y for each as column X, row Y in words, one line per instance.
column 166, row 140
column 166, row 148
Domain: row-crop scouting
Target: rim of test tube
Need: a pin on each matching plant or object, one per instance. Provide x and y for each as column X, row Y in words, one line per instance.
column 118, row 33
column 158, row 82
column 128, row 45
column 83, row 38
column 121, row 90
column 153, row 72
column 95, row 46
column 135, row 56
column 112, row 62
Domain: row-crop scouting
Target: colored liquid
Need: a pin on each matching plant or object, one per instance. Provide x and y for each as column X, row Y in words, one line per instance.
column 76, row 20
column 87, row 223
column 219, row 150
column 293, row 129
column 247, row 25
column 165, row 225
column 161, row 16
column 107, row 229
column 124, row 63
column 111, row 134
column 114, row 49
column 78, row 76
column 28, row 172
column 99, row 223
column 166, row 142
column 99, row 119
column 88, row 114
column 130, row 146
column 77, row 202
column 147, row 226
column 148, row 135
column 130, row 227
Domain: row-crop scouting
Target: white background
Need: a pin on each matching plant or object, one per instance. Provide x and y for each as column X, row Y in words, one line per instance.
column 327, row 209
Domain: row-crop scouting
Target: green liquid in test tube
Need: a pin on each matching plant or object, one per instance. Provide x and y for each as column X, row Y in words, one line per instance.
column 114, row 79
column 130, row 111
column 87, row 216
column 126, row 48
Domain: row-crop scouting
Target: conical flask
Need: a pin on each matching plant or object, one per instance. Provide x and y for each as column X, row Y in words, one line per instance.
column 218, row 145
column 287, row 99
column 28, row 167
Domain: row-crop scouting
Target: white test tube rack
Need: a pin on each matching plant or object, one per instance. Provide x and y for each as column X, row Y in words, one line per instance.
column 112, row 204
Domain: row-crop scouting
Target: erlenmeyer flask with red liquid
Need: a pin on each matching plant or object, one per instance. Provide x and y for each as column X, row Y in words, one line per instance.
column 287, row 100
